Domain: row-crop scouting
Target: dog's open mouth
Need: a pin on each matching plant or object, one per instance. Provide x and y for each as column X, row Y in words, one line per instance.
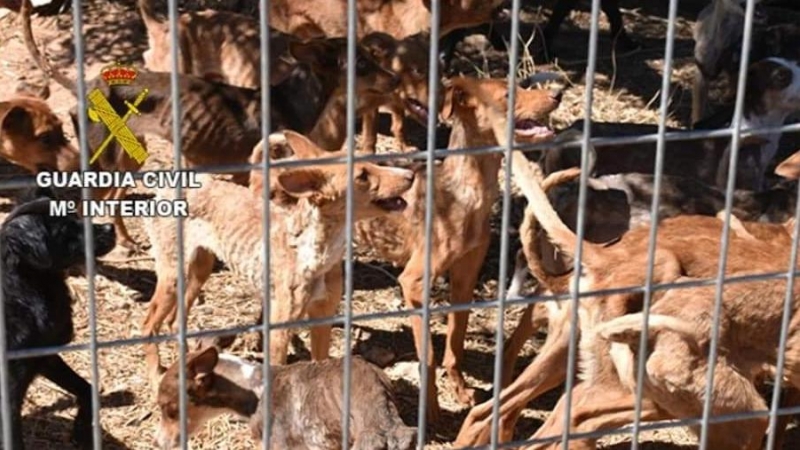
column 416, row 108
column 391, row 204
column 530, row 128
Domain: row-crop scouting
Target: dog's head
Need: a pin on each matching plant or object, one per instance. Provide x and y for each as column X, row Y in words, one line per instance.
column 377, row 190
column 32, row 136
column 739, row 8
column 773, row 87
column 208, row 396
column 467, row 13
column 33, row 238
column 408, row 58
column 328, row 58
column 482, row 106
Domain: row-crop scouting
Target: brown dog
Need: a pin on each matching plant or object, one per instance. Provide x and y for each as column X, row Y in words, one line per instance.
column 466, row 189
column 32, row 137
column 399, row 18
column 695, row 254
column 218, row 45
column 408, row 58
column 220, row 383
column 307, row 243
column 213, row 115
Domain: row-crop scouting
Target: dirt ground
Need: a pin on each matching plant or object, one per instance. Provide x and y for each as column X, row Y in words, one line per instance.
column 626, row 89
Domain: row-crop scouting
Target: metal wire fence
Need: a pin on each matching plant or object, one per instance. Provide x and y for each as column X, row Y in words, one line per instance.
column 429, row 155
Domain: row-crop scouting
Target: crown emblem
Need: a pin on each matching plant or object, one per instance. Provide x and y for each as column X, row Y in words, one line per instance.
column 116, row 74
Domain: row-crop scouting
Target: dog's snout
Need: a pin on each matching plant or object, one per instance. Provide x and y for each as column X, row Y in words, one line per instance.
column 557, row 95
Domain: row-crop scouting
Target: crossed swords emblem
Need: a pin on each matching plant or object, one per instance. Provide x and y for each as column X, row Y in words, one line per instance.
column 102, row 111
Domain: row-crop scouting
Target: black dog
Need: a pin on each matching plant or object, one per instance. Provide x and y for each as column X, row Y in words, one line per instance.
column 37, row 249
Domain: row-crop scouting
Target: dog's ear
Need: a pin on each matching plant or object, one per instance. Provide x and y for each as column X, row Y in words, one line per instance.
column 302, row 146
column 15, row 120
column 303, row 182
column 380, row 46
column 319, row 54
column 456, row 96
column 789, row 168
column 40, row 91
column 200, row 367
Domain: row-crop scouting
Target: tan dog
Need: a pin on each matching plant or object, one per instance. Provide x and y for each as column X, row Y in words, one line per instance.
column 32, row 136
column 307, row 244
column 213, row 115
column 217, row 45
column 696, row 254
column 374, row 84
column 466, row 189
column 679, row 332
column 306, row 404
column 399, row 18
column 408, row 58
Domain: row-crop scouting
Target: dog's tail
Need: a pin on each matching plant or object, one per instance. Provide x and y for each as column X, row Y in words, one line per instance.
column 529, row 230
column 148, row 11
column 528, row 176
column 38, row 58
column 628, row 328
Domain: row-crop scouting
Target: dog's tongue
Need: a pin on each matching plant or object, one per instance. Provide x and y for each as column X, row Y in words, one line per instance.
column 418, row 109
column 530, row 127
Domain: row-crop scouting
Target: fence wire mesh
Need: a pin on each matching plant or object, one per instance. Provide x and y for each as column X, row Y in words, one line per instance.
column 428, row 433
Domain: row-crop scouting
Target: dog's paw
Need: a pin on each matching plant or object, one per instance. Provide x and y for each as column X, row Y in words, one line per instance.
column 82, row 435
column 466, row 396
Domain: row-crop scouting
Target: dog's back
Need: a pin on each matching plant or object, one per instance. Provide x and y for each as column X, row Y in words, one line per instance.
column 307, row 408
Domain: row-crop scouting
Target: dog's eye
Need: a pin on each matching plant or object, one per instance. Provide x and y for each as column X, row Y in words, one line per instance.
column 361, row 65
column 170, row 411
column 363, row 176
column 782, row 77
column 52, row 139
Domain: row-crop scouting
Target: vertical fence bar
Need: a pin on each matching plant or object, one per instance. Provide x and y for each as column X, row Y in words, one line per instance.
column 653, row 235
column 587, row 130
column 723, row 257
column 176, row 148
column 5, row 404
column 433, row 108
column 352, row 37
column 513, row 62
column 80, row 59
column 266, row 300
column 788, row 303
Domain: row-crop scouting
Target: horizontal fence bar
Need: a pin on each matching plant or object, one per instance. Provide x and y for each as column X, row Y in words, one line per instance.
column 25, row 181
column 338, row 320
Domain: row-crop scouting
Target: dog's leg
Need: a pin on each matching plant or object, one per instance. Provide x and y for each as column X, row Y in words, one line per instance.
column 369, row 130
column 561, row 10
column 320, row 309
column 161, row 305
column 411, row 281
column 523, row 332
column 56, row 370
column 546, row 372
column 398, row 128
column 291, row 306
column 596, row 407
column 21, row 375
column 123, row 236
column 463, row 277
column 699, row 96
column 197, row 273
column 622, row 41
